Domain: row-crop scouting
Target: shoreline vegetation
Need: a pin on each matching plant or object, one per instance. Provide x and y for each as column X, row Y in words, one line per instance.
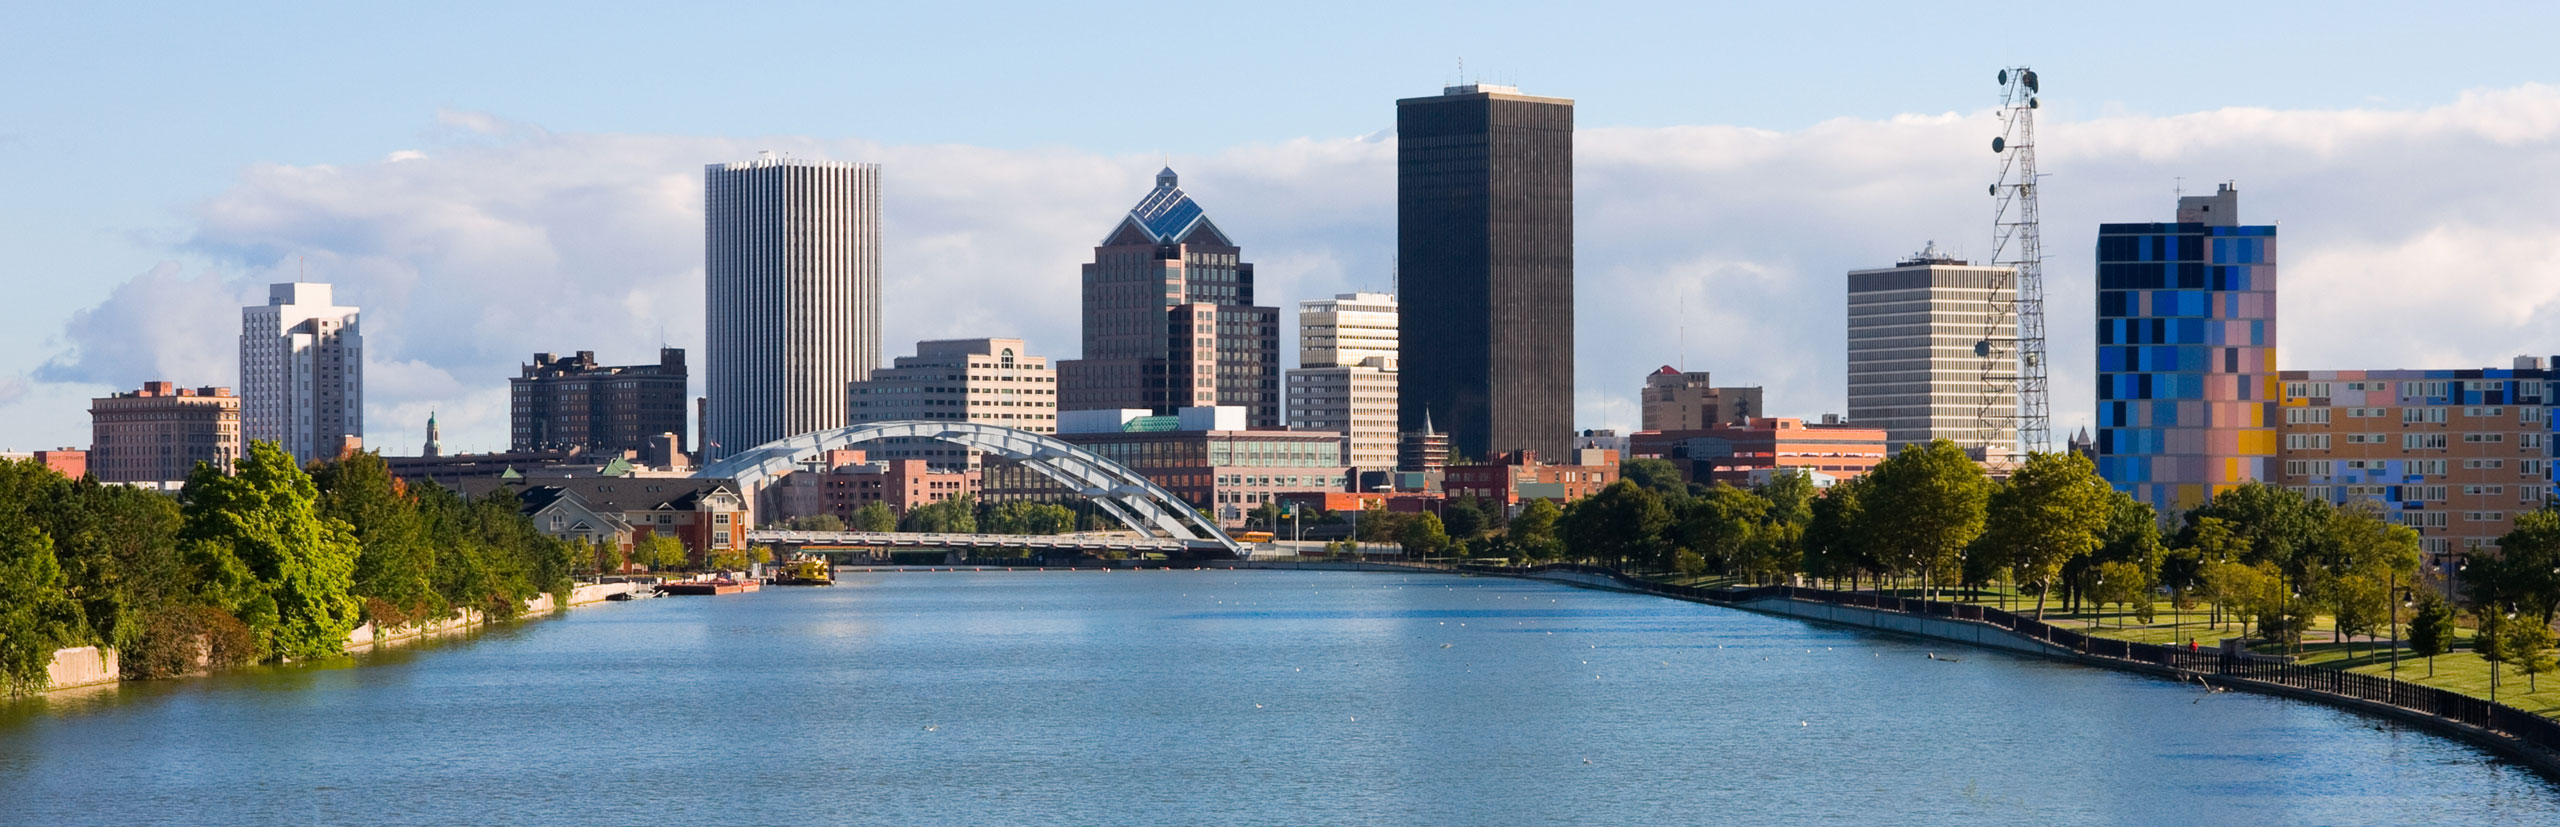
column 272, row 563
column 2287, row 575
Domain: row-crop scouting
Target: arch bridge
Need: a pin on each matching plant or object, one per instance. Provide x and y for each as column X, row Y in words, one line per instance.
column 1126, row 495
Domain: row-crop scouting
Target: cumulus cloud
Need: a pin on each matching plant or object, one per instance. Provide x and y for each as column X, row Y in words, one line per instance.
column 2419, row 238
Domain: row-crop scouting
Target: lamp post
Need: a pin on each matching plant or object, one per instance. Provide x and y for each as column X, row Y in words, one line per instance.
column 2402, row 599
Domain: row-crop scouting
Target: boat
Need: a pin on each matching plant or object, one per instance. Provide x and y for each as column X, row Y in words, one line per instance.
column 804, row 571
column 701, row 587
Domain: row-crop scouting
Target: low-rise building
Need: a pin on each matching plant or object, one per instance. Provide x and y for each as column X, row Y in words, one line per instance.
column 707, row 515
column 1519, row 476
column 1732, row 453
column 69, row 462
column 2454, row 454
column 843, row 481
column 157, row 434
column 1205, row 455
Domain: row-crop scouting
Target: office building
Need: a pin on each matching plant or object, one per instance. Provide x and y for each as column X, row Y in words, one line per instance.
column 570, row 402
column 1205, row 455
column 1676, row 400
column 1346, row 375
column 1520, row 475
column 986, row 381
column 842, row 481
column 157, row 434
column 1913, row 369
column 1170, row 320
column 2454, row 454
column 791, row 296
column 1484, row 230
column 302, row 372
column 69, row 462
column 2187, row 390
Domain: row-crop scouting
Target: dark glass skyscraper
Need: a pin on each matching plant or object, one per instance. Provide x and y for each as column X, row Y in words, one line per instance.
column 1484, row 242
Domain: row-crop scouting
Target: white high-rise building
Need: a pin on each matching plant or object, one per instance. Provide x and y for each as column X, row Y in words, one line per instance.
column 1346, row 375
column 1913, row 370
column 791, row 296
column 302, row 372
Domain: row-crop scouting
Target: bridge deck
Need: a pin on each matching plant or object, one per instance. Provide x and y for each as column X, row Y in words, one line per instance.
column 892, row 539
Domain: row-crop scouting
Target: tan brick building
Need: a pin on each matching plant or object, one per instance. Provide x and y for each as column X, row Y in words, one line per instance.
column 157, row 434
column 2455, row 454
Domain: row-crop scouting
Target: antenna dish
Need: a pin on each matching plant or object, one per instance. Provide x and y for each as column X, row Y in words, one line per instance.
column 2035, row 103
column 2028, row 77
column 2004, row 77
column 1999, row 144
column 1995, row 190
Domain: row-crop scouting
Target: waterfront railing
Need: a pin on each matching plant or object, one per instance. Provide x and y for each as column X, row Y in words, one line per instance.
column 2532, row 729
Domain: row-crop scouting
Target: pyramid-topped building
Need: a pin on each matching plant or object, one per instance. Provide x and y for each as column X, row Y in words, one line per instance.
column 1170, row 320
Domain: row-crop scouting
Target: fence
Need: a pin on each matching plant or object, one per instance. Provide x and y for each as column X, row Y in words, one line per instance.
column 2534, row 731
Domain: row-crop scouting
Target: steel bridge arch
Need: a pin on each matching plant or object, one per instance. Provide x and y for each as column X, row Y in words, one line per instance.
column 1134, row 500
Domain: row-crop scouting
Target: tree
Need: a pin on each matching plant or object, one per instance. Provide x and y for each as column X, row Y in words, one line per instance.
column 1927, row 506
column 1533, row 533
column 1622, row 524
column 2124, row 582
column 1265, row 517
column 2276, row 523
column 875, row 517
column 393, row 564
column 2491, row 643
column 1722, row 524
column 2528, row 573
column 820, row 522
column 1835, row 541
column 1463, row 517
column 2431, row 631
column 1423, row 537
column 37, row 615
column 663, row 552
column 2051, row 510
column 2529, row 645
column 958, row 515
column 1660, row 476
column 300, row 565
column 2361, row 605
column 727, row 559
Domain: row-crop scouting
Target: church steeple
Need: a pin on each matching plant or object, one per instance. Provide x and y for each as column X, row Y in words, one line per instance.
column 435, row 446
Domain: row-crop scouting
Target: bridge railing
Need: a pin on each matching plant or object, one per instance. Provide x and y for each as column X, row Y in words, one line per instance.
column 2533, row 730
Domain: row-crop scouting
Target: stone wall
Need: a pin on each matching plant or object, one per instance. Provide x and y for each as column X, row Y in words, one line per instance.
column 85, row 666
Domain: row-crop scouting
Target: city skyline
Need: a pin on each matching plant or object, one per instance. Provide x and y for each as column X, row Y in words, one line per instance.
column 1746, row 249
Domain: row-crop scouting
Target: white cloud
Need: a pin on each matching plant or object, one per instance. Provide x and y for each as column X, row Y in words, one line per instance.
column 2419, row 238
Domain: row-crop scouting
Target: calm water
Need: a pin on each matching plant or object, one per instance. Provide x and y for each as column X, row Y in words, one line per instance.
column 1216, row 698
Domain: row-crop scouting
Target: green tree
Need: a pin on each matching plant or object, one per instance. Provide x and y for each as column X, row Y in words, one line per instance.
column 1265, row 517
column 1927, row 506
column 393, row 564
column 2492, row 643
column 958, row 515
column 2431, row 630
column 301, row 564
column 727, row 559
column 2529, row 647
column 2276, row 524
column 1622, row 525
column 875, row 517
column 1836, row 540
column 820, row 522
column 37, row 614
column 2124, row 583
column 1533, row 534
column 1423, row 537
column 2528, row 573
column 663, row 552
column 1464, row 518
column 2052, row 510
column 1660, row 476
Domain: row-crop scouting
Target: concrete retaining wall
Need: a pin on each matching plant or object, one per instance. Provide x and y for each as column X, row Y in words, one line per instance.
column 1939, row 628
column 85, row 666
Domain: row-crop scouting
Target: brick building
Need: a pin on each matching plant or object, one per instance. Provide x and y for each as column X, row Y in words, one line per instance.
column 570, row 402
column 1519, row 476
column 1206, row 456
column 1731, row 454
column 157, row 434
column 842, row 481
column 2455, row 454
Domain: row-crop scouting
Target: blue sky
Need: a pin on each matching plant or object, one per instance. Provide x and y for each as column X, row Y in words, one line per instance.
column 143, row 137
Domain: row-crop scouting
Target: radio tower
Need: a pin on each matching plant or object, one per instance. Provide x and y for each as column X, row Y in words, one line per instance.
column 2012, row 347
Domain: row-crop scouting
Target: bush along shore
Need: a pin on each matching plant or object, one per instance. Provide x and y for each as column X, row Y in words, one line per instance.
column 2291, row 576
column 274, row 562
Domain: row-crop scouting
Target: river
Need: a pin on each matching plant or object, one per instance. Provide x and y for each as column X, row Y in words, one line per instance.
column 1215, row 697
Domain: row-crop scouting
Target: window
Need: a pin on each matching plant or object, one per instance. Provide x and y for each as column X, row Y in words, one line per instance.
column 2484, row 490
column 2423, row 493
column 2529, row 467
column 2300, row 390
column 2412, row 442
column 2528, row 414
column 2365, row 465
column 2413, row 416
column 2480, row 438
column 2426, row 466
column 2367, row 413
column 2306, row 416
column 2366, row 439
column 2477, row 464
column 2307, row 467
column 2422, row 519
column 2484, row 516
column 2529, row 440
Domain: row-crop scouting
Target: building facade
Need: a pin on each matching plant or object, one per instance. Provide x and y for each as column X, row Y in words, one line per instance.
column 1346, row 375
column 157, row 434
column 1520, row 476
column 1913, row 368
column 1204, row 455
column 302, row 372
column 1686, row 401
column 791, row 296
column 570, row 402
column 1170, row 320
column 707, row 515
column 986, row 381
column 842, row 481
column 2454, row 454
column 1484, row 228
column 1742, row 454
column 2187, row 388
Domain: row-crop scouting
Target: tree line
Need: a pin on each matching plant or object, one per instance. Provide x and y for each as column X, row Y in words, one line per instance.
column 272, row 562
column 963, row 514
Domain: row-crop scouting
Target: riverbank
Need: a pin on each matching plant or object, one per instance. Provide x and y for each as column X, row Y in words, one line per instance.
column 2518, row 734
column 89, row 667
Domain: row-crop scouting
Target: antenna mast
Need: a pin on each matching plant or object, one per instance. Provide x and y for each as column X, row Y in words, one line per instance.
column 2012, row 347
